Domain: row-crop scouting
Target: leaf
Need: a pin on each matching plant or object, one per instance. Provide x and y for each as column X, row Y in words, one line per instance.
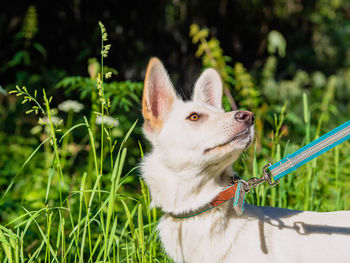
column 40, row 48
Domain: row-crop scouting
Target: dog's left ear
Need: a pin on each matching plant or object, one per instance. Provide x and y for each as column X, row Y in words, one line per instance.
column 208, row 88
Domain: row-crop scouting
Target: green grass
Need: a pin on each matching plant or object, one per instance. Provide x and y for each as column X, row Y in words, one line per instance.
column 100, row 223
column 106, row 222
column 92, row 219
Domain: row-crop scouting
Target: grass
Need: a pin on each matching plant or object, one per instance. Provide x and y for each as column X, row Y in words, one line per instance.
column 93, row 213
column 95, row 222
column 88, row 224
column 106, row 223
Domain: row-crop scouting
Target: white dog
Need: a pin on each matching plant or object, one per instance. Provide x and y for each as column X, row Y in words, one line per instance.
column 194, row 145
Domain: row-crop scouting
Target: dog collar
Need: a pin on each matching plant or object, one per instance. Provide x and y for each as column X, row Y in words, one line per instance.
column 234, row 191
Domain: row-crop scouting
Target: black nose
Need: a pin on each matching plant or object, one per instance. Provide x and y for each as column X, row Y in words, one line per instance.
column 245, row 116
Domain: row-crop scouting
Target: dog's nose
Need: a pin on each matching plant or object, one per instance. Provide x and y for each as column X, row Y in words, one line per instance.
column 245, row 116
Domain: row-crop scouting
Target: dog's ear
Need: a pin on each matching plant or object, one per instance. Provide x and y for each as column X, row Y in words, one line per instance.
column 158, row 96
column 208, row 88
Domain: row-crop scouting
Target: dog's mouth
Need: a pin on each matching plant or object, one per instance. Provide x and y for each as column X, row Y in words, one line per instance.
column 240, row 135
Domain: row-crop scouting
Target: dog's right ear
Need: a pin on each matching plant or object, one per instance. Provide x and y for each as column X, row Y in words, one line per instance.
column 158, row 96
column 208, row 88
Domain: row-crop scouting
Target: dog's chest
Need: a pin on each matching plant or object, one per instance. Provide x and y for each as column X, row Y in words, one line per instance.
column 208, row 238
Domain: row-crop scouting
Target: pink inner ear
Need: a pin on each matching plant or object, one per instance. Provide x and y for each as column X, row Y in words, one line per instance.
column 159, row 100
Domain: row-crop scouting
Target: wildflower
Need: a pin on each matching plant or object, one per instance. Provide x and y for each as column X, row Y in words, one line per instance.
column 107, row 120
column 70, row 105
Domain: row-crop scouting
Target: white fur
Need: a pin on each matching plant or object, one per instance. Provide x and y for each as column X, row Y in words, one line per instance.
column 183, row 175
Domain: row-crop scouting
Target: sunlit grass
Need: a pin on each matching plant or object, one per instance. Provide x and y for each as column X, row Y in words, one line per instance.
column 91, row 220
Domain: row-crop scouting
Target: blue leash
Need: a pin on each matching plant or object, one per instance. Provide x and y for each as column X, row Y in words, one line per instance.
column 310, row 151
column 293, row 161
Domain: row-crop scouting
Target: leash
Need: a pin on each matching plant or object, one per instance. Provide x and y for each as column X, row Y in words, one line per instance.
column 309, row 152
column 239, row 188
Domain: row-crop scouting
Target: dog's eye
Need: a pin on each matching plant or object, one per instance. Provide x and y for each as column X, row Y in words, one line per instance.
column 193, row 117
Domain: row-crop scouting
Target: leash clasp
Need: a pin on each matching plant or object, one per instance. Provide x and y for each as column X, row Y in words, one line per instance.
column 255, row 181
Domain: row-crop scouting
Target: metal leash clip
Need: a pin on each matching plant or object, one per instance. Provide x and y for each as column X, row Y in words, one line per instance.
column 255, row 181
column 243, row 187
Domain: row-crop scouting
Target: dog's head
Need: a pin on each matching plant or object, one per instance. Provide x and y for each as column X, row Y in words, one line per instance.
column 192, row 133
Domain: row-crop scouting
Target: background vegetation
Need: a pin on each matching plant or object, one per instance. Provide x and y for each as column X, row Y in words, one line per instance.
column 70, row 189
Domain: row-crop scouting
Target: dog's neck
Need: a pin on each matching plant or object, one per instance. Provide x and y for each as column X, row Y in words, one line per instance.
column 183, row 191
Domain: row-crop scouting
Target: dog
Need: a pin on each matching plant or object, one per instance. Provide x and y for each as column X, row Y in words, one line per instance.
column 194, row 144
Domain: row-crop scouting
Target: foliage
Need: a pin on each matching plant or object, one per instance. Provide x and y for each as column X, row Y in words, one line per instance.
column 92, row 222
column 124, row 95
column 25, row 41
